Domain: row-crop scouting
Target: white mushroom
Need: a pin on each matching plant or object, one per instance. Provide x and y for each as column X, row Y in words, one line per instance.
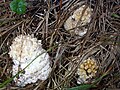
column 25, row 49
column 80, row 17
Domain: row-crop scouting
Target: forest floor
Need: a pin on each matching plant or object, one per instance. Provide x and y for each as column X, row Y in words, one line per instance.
column 45, row 20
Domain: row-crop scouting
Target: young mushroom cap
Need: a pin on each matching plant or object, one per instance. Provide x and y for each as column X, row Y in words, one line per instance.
column 23, row 51
column 87, row 70
column 80, row 17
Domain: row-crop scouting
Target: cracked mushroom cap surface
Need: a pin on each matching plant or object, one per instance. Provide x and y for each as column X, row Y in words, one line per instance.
column 23, row 51
column 80, row 17
column 87, row 70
